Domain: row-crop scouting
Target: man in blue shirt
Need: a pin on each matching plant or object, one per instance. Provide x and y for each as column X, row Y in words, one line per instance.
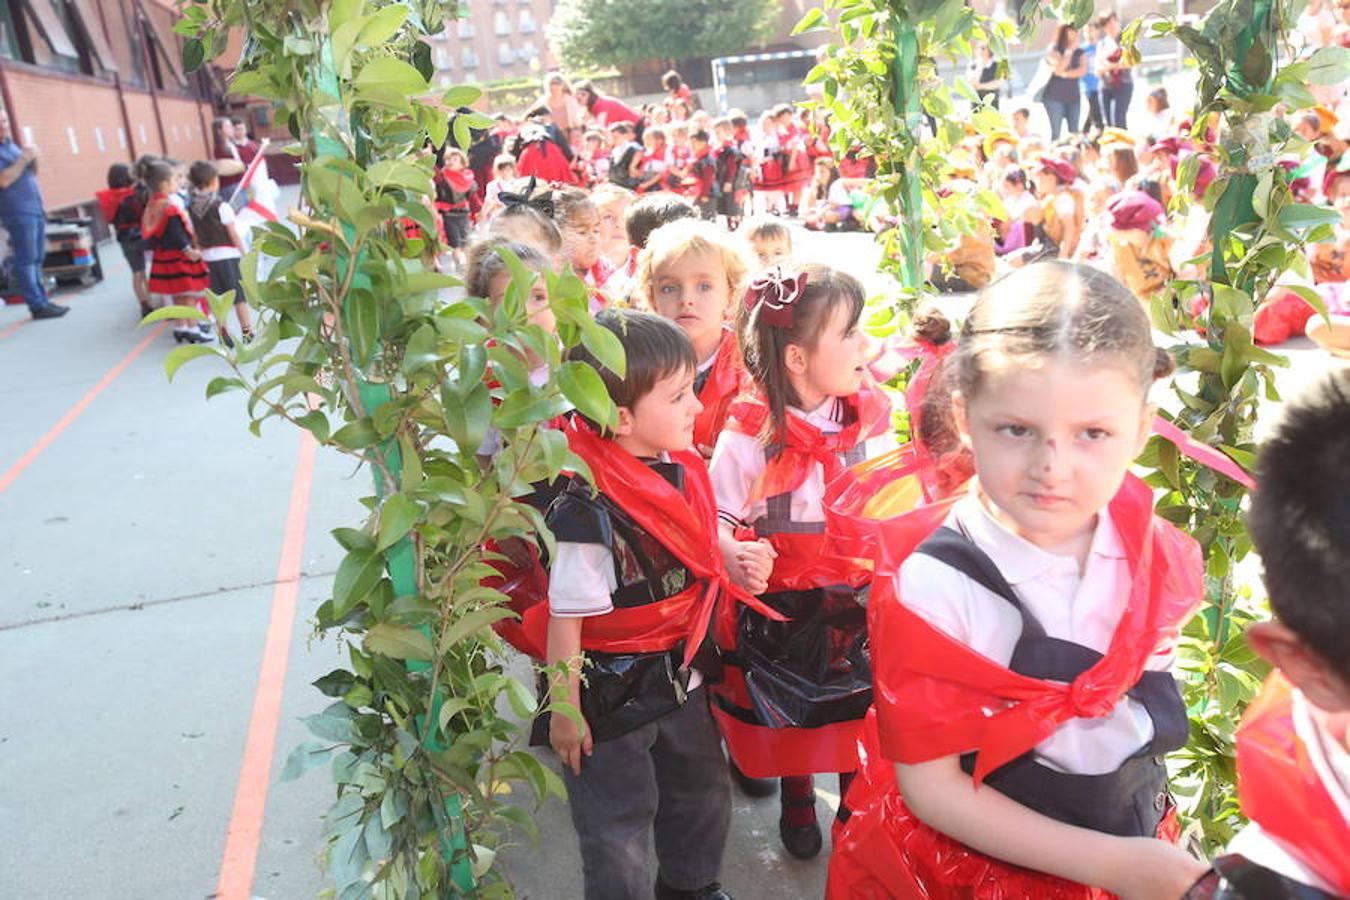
column 23, row 216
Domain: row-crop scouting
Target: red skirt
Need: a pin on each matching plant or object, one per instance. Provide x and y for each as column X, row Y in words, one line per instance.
column 172, row 273
column 885, row 852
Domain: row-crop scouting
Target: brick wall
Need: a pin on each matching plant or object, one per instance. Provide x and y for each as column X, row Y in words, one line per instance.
column 78, row 128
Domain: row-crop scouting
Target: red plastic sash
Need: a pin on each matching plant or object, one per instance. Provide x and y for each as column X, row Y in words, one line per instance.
column 725, row 382
column 166, row 210
column 685, row 524
column 1202, row 453
column 1280, row 789
column 806, row 444
column 936, row 697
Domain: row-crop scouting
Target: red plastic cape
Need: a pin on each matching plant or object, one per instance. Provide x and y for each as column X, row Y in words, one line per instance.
column 1280, row 789
column 460, row 180
column 686, row 524
column 885, row 852
column 934, row 694
column 111, row 198
column 725, row 383
column 806, row 443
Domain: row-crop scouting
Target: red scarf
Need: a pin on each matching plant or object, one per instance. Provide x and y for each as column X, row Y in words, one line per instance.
column 726, row 380
column 460, row 180
column 167, row 210
column 1281, row 791
column 933, row 692
column 806, row 444
column 685, row 524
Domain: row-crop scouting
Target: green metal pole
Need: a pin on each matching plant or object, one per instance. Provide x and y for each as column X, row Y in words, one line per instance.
column 905, row 74
column 400, row 560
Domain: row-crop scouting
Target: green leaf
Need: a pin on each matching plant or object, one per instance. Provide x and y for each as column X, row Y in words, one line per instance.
column 308, row 755
column 398, row 514
column 356, row 577
column 399, row 642
column 605, row 346
column 462, row 95
column 811, row 20
column 1306, row 215
column 173, row 312
column 525, row 407
column 1329, row 66
column 193, row 55
column 220, row 384
column 356, row 435
column 180, row 355
column 316, row 423
column 473, row 622
column 422, row 350
column 363, row 325
column 1313, row 298
column 391, row 74
column 581, row 385
column 383, row 25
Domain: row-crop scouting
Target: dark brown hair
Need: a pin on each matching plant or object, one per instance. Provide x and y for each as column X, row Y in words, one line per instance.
column 1057, row 309
column 654, row 348
column 201, row 173
column 765, row 346
column 484, row 263
column 1124, row 164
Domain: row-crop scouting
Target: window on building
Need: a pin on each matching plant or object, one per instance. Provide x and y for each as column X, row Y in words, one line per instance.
column 9, row 35
column 468, row 60
column 442, row 55
column 84, row 15
column 505, row 54
column 47, row 39
column 465, row 28
column 162, row 52
column 526, row 22
column 501, row 24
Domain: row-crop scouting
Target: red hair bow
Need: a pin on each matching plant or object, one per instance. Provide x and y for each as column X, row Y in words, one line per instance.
column 775, row 292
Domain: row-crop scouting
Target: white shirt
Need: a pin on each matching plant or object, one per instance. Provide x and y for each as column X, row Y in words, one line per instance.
column 738, row 460
column 1080, row 607
column 1331, row 761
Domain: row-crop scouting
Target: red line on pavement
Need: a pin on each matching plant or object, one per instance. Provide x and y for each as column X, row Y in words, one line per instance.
column 250, row 798
column 73, row 413
column 10, row 329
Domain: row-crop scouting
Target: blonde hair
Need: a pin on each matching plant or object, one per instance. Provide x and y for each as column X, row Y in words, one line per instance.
column 674, row 240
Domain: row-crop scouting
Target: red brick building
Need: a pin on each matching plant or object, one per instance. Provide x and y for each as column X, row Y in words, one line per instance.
column 94, row 82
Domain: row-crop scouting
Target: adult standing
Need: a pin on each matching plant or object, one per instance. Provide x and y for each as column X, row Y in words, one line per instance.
column 1117, row 79
column 984, row 75
column 25, row 218
column 1063, row 97
column 229, row 165
column 1092, row 83
column 604, row 110
column 563, row 107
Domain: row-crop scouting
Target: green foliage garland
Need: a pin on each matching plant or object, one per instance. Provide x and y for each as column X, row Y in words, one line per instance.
column 373, row 354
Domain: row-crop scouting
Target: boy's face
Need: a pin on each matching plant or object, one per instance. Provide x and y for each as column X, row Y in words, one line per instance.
column 699, row 146
column 581, row 236
column 692, row 291
column 662, row 420
column 211, row 186
column 454, row 162
column 772, row 251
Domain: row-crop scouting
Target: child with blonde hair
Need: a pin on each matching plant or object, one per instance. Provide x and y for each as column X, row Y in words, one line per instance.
column 691, row 273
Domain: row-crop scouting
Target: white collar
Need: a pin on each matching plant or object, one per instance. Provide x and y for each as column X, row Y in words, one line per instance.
column 1018, row 559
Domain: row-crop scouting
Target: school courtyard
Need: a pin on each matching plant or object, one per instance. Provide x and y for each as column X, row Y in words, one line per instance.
column 159, row 571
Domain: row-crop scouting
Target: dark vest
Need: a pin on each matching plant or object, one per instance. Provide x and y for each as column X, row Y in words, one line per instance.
column 205, row 211
column 1130, row 801
column 623, row 691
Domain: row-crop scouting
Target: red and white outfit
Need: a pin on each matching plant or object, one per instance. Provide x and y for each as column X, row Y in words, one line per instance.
column 1294, row 785
column 948, row 682
column 772, row 728
column 172, row 274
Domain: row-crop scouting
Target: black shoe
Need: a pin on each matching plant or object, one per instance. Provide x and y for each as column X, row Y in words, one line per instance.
column 707, row 892
column 804, row 841
column 146, row 309
column 752, row 787
column 50, row 311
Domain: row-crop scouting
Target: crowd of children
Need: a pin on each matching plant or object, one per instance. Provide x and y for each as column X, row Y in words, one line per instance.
column 986, row 662
column 180, row 240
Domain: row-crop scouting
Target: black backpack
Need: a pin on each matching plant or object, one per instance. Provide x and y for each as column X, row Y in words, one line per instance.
column 618, row 171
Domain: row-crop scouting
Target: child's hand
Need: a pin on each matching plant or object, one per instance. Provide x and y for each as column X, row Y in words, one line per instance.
column 568, row 742
column 1153, row 869
column 193, row 253
column 750, row 563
